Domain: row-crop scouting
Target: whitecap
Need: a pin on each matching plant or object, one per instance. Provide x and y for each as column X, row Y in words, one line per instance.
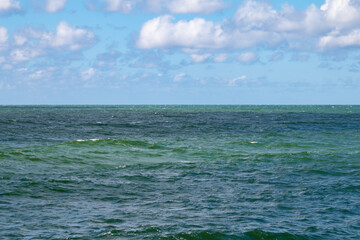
column 93, row 140
column 121, row 166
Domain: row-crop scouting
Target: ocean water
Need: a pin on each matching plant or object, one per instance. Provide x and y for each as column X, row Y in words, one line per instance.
column 180, row 172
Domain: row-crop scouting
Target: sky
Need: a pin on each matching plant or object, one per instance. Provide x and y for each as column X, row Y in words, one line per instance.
column 179, row 52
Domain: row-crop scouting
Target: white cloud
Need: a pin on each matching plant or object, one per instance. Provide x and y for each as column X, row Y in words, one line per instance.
column 341, row 13
column 198, row 33
column 179, row 77
column 7, row 5
column 71, row 37
column 186, row 6
column 3, row 35
column 247, row 57
column 123, row 6
column 37, row 74
column 335, row 24
column 254, row 15
column 65, row 36
column 54, row 5
column 195, row 6
column 20, row 40
column 233, row 82
column 198, row 58
column 161, row 32
column 25, row 54
column 220, row 58
column 31, row 43
column 88, row 74
column 21, row 37
column 288, row 22
column 335, row 40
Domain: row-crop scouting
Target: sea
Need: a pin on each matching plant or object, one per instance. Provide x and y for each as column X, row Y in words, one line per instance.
column 174, row 172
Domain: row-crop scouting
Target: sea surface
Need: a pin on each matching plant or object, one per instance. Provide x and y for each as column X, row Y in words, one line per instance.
column 180, row 172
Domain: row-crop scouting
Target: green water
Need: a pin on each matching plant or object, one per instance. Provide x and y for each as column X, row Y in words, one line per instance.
column 179, row 172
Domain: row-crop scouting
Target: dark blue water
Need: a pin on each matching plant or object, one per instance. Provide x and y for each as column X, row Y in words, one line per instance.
column 180, row 172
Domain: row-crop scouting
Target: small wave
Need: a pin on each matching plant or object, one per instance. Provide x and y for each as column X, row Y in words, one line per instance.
column 251, row 235
column 121, row 166
column 87, row 140
column 117, row 142
column 156, row 233
column 259, row 234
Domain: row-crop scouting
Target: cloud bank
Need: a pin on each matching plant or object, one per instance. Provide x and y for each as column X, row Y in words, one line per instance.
column 30, row 43
column 336, row 24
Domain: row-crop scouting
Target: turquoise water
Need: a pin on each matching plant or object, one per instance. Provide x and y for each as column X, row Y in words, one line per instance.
column 180, row 172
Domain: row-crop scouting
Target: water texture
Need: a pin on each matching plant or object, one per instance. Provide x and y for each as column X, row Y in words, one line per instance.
column 180, row 172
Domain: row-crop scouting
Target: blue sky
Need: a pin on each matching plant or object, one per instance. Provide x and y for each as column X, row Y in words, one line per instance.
column 179, row 52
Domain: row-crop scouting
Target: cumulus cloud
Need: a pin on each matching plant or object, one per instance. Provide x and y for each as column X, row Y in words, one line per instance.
column 198, row 33
column 220, row 58
column 31, row 43
column 124, row 6
column 66, row 36
column 88, row 74
column 336, row 39
column 8, row 5
column 162, row 32
column 185, row 6
column 3, row 35
column 54, row 5
column 25, row 54
column 341, row 13
column 254, row 15
column 71, row 37
column 247, row 57
column 255, row 23
column 37, row 74
column 198, row 58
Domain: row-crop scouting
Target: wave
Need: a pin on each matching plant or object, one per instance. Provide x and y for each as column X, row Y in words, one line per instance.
column 111, row 141
column 92, row 140
column 251, row 235
column 257, row 234
column 109, row 151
